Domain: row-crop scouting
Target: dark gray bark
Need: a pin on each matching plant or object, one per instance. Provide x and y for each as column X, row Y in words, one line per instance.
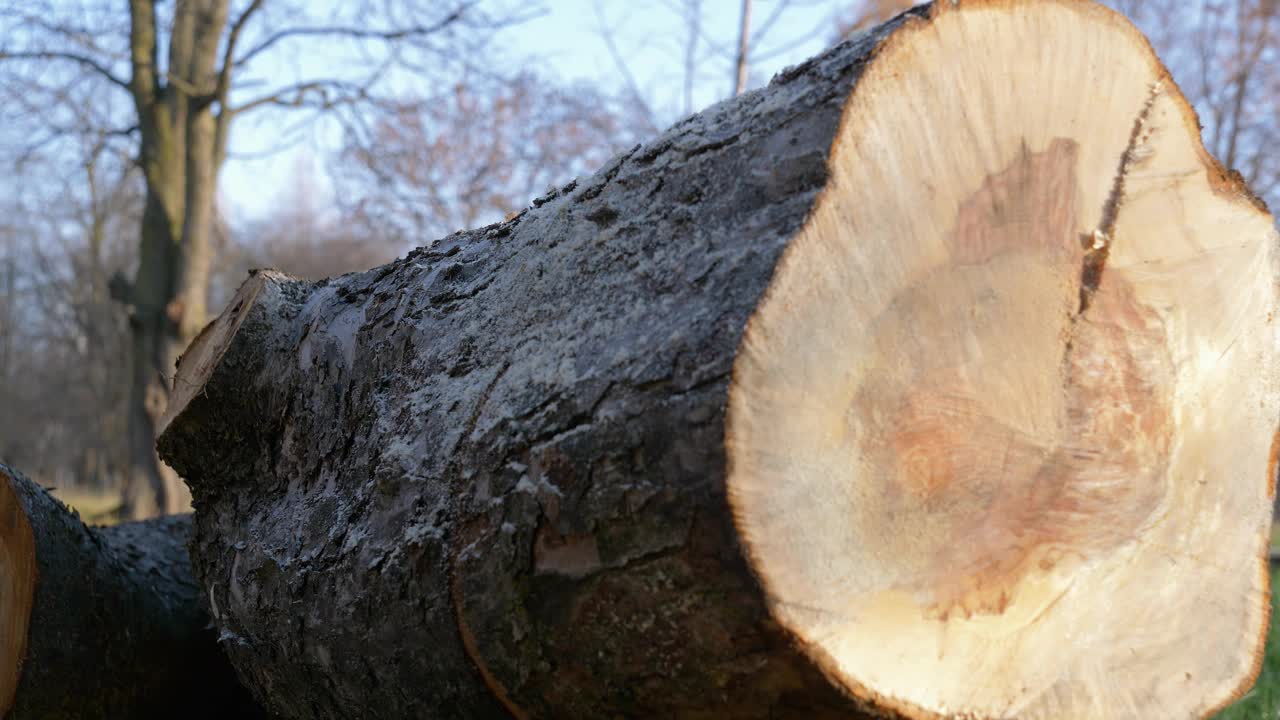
column 117, row 627
column 488, row 478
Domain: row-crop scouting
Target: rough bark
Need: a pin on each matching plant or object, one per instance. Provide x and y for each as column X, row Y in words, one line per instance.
column 490, row 475
column 107, row 622
column 997, row 380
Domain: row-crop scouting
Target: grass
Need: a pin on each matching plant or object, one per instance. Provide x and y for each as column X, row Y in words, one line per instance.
column 95, row 507
column 1263, row 701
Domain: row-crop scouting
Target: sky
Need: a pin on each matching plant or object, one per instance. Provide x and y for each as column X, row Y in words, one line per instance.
column 566, row 42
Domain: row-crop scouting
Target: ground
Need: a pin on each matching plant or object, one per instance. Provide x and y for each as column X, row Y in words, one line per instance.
column 96, row 507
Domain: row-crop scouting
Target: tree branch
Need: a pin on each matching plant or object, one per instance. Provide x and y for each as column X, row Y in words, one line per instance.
column 355, row 32
column 142, row 55
column 233, row 37
column 633, row 88
column 183, row 86
column 82, row 60
column 296, row 95
column 758, row 36
column 122, row 132
column 223, row 89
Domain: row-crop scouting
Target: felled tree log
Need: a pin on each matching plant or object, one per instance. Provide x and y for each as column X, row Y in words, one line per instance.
column 103, row 622
column 956, row 330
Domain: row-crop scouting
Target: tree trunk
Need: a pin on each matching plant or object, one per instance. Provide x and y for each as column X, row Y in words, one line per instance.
column 740, row 63
column 103, row 622
column 152, row 488
column 182, row 152
column 955, row 330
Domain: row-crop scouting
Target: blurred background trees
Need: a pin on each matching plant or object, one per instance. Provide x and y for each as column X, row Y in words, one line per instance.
column 156, row 149
column 1225, row 55
column 474, row 152
column 165, row 81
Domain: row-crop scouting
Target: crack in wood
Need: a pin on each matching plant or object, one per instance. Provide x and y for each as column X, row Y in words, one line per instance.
column 1097, row 245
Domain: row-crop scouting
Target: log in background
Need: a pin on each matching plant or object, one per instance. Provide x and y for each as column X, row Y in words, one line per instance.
column 118, row 627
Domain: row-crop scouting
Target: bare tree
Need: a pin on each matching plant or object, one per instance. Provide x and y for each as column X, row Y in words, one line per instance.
column 1225, row 55
column 65, row 341
column 475, row 153
column 301, row 237
column 692, row 11
column 188, row 70
column 704, row 50
column 744, row 48
column 8, row 341
column 867, row 14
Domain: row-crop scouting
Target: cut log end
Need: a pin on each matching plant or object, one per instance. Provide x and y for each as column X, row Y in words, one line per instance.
column 205, row 352
column 17, row 588
column 1008, row 405
column 214, row 392
column 102, row 622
